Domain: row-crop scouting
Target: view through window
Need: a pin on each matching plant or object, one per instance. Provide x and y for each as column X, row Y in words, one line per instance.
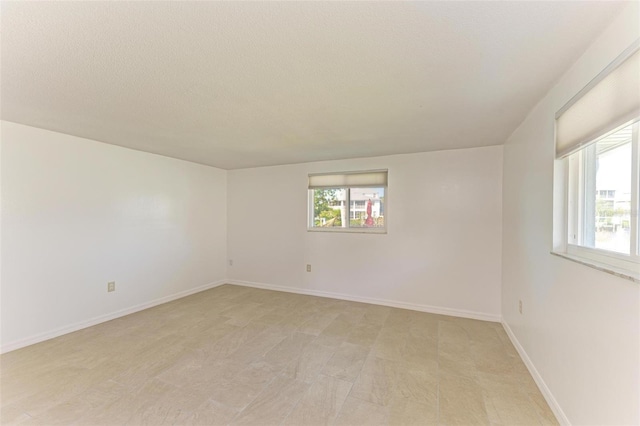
column 363, row 208
column 613, row 194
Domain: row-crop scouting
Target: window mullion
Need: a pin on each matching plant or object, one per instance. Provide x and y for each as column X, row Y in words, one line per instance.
column 572, row 199
column 589, row 206
column 635, row 184
column 347, row 213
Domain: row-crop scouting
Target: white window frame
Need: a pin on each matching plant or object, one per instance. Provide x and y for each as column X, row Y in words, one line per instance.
column 573, row 173
column 346, row 188
column 608, row 103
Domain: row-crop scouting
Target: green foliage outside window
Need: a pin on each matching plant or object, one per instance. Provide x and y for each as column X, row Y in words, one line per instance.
column 324, row 214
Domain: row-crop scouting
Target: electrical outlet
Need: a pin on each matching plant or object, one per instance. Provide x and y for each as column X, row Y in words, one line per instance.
column 308, row 268
column 520, row 305
column 230, row 262
column 111, row 286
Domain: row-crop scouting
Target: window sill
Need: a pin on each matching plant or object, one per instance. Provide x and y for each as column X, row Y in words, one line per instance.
column 349, row 230
column 612, row 270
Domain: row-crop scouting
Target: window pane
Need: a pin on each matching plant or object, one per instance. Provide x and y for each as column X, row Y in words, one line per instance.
column 366, row 208
column 329, row 208
column 613, row 193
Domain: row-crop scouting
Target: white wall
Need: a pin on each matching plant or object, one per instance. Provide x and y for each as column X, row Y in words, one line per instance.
column 442, row 251
column 78, row 213
column 580, row 327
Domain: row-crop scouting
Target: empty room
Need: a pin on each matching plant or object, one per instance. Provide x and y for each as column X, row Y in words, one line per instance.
column 319, row 213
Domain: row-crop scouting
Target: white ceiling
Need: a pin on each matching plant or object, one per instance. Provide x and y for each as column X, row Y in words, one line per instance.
column 242, row 84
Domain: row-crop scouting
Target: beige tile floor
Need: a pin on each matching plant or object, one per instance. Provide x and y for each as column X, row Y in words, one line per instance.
column 243, row 356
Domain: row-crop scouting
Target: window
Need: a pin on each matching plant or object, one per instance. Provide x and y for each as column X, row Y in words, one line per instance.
column 600, row 196
column 598, row 157
column 348, row 202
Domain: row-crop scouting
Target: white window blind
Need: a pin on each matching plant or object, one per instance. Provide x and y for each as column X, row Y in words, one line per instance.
column 375, row 178
column 609, row 102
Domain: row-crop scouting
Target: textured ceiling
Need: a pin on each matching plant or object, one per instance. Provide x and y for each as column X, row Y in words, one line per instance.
column 243, row 84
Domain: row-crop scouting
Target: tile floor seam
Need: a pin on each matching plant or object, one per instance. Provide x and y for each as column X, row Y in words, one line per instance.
column 254, row 398
column 321, row 369
column 353, row 385
column 298, row 402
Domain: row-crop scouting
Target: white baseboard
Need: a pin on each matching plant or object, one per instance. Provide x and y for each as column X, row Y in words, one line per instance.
column 103, row 318
column 384, row 302
column 546, row 392
column 107, row 317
